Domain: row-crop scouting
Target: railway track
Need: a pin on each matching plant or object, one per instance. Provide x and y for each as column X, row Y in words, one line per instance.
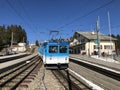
column 2, row 60
column 101, row 76
column 69, row 81
column 20, row 76
column 99, row 69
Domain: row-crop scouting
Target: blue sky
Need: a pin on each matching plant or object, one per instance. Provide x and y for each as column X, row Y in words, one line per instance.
column 38, row 17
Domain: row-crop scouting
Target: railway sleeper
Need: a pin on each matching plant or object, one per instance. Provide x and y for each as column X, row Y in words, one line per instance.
column 22, row 85
column 31, row 77
column 78, row 83
column 29, row 84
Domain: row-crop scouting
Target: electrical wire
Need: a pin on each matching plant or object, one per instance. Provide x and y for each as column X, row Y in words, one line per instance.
column 11, row 6
column 26, row 14
column 87, row 14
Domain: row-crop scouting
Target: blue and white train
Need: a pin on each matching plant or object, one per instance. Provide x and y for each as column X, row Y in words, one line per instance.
column 55, row 55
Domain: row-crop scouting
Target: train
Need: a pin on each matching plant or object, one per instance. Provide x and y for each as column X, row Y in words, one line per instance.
column 55, row 55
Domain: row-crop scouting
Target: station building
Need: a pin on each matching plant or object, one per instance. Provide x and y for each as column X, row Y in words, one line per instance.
column 86, row 43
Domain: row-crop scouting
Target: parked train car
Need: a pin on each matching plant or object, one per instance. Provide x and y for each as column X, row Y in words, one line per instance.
column 55, row 55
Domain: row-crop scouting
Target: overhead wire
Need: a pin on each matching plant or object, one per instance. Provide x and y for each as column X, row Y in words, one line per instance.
column 62, row 26
column 87, row 14
column 26, row 13
column 11, row 6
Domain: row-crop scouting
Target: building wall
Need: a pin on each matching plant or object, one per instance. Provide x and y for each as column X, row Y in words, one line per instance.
column 21, row 47
column 83, row 45
column 90, row 48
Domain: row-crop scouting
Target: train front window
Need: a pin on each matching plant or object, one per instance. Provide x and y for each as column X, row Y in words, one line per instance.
column 63, row 49
column 53, row 49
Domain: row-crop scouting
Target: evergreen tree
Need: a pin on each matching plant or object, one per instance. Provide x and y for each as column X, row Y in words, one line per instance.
column 19, row 35
column 37, row 43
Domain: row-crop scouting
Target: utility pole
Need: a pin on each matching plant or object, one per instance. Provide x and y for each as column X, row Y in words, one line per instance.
column 23, row 39
column 110, row 34
column 11, row 39
column 98, row 38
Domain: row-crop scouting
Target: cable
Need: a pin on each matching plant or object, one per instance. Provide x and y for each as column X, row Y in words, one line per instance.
column 25, row 12
column 117, row 26
column 11, row 6
column 87, row 14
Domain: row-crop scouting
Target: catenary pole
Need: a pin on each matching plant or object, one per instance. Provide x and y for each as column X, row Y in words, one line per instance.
column 109, row 26
column 98, row 38
column 11, row 39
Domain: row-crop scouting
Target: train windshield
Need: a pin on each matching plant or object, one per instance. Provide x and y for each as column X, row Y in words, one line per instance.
column 63, row 49
column 53, row 49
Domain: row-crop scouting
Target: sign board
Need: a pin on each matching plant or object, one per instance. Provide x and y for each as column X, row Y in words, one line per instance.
column 96, row 41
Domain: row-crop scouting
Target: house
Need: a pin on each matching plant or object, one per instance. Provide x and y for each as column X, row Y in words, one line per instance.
column 87, row 43
column 21, row 47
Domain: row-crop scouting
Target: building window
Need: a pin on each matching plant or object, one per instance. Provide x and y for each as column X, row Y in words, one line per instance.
column 83, row 40
column 82, row 47
column 101, row 46
column 107, row 47
column 96, row 46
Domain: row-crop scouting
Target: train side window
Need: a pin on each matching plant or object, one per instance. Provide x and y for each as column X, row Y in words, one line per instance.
column 63, row 49
column 53, row 49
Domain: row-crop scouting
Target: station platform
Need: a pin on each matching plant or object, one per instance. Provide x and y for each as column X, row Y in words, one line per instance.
column 9, row 56
column 16, row 61
column 106, row 62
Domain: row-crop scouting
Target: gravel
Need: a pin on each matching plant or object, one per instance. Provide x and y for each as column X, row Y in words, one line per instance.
column 51, row 82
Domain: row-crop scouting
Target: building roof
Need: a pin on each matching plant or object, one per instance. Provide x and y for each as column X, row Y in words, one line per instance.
column 93, row 36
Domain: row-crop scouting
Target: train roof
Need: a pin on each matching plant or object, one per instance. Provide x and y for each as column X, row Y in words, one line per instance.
column 56, row 43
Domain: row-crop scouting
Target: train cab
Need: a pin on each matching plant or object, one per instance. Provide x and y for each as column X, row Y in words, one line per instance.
column 56, row 55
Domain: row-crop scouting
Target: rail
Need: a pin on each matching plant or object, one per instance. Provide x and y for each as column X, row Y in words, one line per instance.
column 12, row 78
column 2, row 60
column 101, row 69
column 69, row 81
